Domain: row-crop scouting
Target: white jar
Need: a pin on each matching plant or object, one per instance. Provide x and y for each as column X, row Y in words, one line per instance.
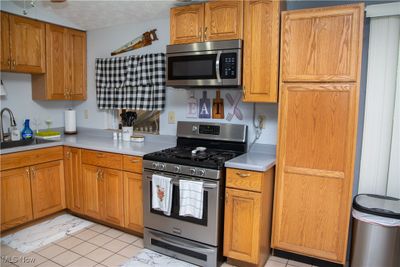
column 127, row 132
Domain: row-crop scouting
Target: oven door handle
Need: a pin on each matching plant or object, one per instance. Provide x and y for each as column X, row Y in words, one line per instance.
column 217, row 63
column 205, row 185
column 180, row 245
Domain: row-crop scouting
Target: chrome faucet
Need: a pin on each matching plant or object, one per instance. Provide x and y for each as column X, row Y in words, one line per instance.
column 3, row 136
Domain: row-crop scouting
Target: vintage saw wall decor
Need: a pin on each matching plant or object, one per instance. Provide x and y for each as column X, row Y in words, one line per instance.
column 145, row 39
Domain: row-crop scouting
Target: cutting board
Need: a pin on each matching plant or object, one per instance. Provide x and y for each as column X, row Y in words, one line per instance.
column 218, row 106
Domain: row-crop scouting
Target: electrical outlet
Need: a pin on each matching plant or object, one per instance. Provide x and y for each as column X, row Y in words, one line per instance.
column 171, row 117
column 86, row 114
column 261, row 121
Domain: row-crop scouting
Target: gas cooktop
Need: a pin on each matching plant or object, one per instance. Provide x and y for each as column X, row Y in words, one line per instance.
column 194, row 156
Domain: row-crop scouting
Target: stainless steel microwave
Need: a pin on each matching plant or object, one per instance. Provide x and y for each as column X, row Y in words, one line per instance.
column 207, row 64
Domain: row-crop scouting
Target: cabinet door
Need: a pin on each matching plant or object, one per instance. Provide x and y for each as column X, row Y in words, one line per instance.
column 28, row 47
column 73, row 179
column 261, row 51
column 113, row 186
column 242, row 224
column 186, row 24
column 223, row 20
column 92, row 191
column 315, row 166
column 321, row 44
column 56, row 43
column 48, row 192
column 5, row 42
column 133, row 201
column 76, row 74
column 16, row 202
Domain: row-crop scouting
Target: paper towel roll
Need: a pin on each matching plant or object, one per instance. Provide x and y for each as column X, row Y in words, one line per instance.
column 70, row 121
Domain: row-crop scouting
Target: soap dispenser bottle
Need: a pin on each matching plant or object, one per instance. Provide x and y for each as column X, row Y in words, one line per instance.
column 27, row 132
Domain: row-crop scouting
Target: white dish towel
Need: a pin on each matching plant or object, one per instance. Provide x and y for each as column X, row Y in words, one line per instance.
column 162, row 194
column 191, row 198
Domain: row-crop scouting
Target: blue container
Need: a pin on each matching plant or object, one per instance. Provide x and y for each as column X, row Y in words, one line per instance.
column 27, row 132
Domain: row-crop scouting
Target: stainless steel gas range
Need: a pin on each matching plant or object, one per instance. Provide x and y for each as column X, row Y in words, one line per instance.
column 200, row 154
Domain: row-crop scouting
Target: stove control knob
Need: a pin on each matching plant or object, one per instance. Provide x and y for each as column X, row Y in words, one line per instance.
column 192, row 171
column 154, row 165
column 194, row 128
column 162, row 166
column 177, row 168
column 202, row 172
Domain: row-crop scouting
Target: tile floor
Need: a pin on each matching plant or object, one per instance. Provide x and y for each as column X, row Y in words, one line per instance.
column 96, row 245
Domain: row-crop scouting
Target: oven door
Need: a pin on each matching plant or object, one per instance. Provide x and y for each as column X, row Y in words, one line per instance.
column 204, row 68
column 206, row 230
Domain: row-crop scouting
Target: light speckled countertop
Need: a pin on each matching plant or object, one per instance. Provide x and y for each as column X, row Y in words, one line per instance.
column 102, row 140
column 259, row 158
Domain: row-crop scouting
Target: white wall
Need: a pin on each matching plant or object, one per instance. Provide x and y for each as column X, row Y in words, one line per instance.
column 100, row 44
column 19, row 100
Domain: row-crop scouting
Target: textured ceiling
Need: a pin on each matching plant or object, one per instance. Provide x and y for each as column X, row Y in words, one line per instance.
column 91, row 14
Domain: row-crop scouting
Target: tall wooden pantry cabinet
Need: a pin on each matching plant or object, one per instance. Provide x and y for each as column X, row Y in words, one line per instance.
column 318, row 113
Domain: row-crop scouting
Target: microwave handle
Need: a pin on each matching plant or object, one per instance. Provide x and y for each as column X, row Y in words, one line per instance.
column 217, row 63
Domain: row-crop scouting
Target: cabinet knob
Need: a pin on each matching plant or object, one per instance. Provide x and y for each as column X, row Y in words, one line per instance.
column 27, row 172
column 14, row 63
column 68, row 154
column 244, row 92
column 9, row 62
column 33, row 173
column 205, row 33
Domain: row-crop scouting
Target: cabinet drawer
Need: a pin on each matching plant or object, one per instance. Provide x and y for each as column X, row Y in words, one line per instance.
column 133, row 164
column 102, row 159
column 31, row 157
column 243, row 179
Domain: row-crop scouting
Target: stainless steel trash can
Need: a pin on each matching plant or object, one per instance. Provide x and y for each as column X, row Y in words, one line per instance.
column 376, row 231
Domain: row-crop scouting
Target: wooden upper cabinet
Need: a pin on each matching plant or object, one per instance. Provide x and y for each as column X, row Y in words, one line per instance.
column 76, row 64
column 27, row 45
column 223, row 20
column 241, row 231
column 16, row 201
column 73, row 179
column 186, row 24
column 5, row 43
column 65, row 77
column 261, row 51
column 321, row 44
column 56, row 74
column 48, row 191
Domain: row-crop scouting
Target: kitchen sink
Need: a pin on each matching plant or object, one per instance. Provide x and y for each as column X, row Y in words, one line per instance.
column 27, row 142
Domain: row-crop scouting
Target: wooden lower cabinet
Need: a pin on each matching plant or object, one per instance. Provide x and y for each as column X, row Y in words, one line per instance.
column 16, row 199
column 73, row 179
column 113, row 198
column 91, row 191
column 48, row 192
column 242, row 212
column 133, row 201
column 248, row 213
column 103, row 194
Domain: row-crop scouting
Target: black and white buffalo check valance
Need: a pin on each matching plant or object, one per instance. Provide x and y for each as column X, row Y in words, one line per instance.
column 134, row 82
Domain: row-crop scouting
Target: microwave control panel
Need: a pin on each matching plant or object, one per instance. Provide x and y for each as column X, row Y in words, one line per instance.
column 228, row 65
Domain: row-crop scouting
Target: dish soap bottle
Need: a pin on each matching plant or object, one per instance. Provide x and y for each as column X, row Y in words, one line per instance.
column 27, row 132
